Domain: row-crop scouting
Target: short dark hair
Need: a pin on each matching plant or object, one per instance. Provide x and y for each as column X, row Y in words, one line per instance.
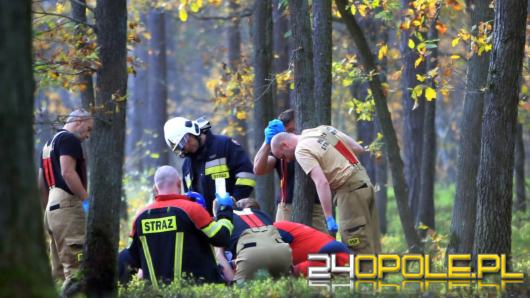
column 286, row 116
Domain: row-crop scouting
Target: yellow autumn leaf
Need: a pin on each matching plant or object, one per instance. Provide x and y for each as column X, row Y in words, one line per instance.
column 417, row 91
column 455, row 57
column 418, row 61
column 455, row 42
column 430, row 93
column 383, row 50
column 347, row 82
column 353, row 9
column 241, row 115
column 183, row 14
column 362, row 10
column 154, row 155
column 411, row 44
column 420, row 78
column 59, row 8
column 194, row 7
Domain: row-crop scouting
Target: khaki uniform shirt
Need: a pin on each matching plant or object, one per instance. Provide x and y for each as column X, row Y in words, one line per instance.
column 313, row 150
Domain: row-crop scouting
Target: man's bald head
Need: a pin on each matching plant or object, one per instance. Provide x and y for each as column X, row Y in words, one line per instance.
column 80, row 123
column 283, row 145
column 167, row 180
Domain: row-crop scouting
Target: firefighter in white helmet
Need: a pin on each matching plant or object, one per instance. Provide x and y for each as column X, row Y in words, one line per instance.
column 208, row 157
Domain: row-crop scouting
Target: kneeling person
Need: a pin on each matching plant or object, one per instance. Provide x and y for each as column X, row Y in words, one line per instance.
column 256, row 244
column 171, row 237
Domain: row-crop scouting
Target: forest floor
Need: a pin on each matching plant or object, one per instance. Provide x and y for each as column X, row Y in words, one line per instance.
column 391, row 286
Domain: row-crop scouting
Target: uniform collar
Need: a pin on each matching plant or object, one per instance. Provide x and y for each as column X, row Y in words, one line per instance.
column 160, row 198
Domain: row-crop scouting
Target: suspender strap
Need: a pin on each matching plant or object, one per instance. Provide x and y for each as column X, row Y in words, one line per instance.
column 47, row 161
column 252, row 220
column 346, row 153
column 283, row 181
column 331, row 137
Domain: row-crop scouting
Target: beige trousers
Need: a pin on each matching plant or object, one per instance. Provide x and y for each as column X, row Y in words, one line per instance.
column 262, row 248
column 65, row 222
column 357, row 214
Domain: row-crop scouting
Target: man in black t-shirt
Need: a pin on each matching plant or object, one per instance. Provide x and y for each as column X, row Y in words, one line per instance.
column 63, row 181
column 265, row 162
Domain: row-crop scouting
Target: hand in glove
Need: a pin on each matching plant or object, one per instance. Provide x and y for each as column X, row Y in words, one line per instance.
column 275, row 127
column 332, row 225
column 224, row 201
column 86, row 205
column 197, row 197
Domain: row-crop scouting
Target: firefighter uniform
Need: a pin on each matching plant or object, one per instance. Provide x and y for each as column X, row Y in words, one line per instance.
column 63, row 218
column 257, row 244
column 285, row 171
column 218, row 157
column 305, row 240
column 171, row 238
column 326, row 147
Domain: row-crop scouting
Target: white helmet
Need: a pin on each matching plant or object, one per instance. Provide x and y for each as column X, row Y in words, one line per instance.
column 175, row 131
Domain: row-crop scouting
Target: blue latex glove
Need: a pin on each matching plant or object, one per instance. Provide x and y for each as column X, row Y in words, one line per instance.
column 197, row 197
column 86, row 205
column 332, row 225
column 275, row 127
column 224, row 201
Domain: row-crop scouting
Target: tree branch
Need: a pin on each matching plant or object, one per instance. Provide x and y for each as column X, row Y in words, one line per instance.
column 66, row 17
column 241, row 14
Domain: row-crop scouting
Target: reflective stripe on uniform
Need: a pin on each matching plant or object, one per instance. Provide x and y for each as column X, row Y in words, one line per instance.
column 246, row 178
column 215, row 166
column 214, row 227
column 179, row 244
column 187, row 179
column 149, row 261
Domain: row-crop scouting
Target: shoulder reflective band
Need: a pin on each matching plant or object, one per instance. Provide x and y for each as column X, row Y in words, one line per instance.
column 214, row 227
column 246, row 178
column 332, row 139
column 250, row 218
column 188, row 181
column 149, row 261
column 159, row 225
column 179, row 244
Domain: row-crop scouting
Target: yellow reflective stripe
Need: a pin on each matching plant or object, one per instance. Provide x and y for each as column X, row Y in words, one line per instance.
column 246, row 181
column 149, row 261
column 179, row 243
column 214, row 227
column 216, row 169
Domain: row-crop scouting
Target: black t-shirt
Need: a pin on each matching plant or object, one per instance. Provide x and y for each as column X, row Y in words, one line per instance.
column 65, row 143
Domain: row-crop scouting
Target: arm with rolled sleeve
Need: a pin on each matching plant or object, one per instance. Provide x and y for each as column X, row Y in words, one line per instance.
column 239, row 164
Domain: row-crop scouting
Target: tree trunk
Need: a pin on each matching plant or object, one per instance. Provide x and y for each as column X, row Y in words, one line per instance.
column 381, row 197
column 495, row 177
column 322, row 60
column 100, row 263
column 426, row 212
column 157, row 90
column 24, row 269
column 84, row 80
column 385, row 120
column 263, row 99
column 137, row 105
column 304, row 188
column 281, row 52
column 464, row 209
column 412, row 117
column 234, row 60
column 520, row 187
